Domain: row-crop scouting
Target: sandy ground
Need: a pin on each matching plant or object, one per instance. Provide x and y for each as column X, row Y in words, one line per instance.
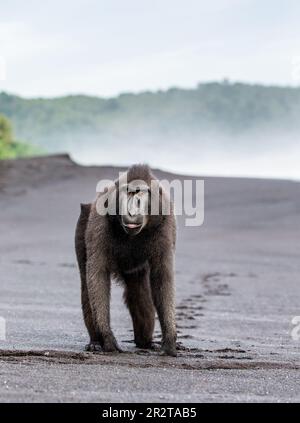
column 237, row 282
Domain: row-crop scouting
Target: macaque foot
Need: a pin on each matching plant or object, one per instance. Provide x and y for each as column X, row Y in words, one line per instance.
column 146, row 345
column 169, row 349
column 93, row 347
column 110, row 345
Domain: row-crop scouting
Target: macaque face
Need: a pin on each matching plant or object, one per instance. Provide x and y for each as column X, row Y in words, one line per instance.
column 134, row 206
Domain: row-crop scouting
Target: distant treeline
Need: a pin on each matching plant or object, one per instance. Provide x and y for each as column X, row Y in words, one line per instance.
column 232, row 109
column 9, row 147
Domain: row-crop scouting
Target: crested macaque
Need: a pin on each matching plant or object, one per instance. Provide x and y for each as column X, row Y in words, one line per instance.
column 132, row 244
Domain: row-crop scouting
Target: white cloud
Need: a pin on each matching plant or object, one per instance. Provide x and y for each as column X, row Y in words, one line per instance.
column 104, row 48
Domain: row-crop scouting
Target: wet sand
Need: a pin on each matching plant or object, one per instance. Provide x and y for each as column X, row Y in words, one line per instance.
column 237, row 279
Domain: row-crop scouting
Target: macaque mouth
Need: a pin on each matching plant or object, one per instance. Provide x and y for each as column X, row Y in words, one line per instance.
column 132, row 225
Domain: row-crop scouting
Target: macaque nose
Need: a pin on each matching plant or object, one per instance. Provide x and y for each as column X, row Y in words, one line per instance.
column 133, row 215
column 133, row 207
column 132, row 212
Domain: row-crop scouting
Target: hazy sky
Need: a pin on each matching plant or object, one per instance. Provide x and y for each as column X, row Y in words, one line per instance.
column 107, row 47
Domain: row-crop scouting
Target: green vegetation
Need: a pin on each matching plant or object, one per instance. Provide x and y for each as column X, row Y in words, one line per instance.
column 233, row 110
column 9, row 148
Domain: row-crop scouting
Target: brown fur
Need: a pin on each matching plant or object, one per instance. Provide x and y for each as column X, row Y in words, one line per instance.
column 144, row 263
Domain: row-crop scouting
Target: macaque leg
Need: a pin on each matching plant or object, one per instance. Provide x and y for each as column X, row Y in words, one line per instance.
column 138, row 299
column 163, row 294
column 95, row 340
column 81, row 258
column 98, row 284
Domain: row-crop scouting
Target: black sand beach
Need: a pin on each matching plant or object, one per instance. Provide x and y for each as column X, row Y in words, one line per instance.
column 237, row 279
